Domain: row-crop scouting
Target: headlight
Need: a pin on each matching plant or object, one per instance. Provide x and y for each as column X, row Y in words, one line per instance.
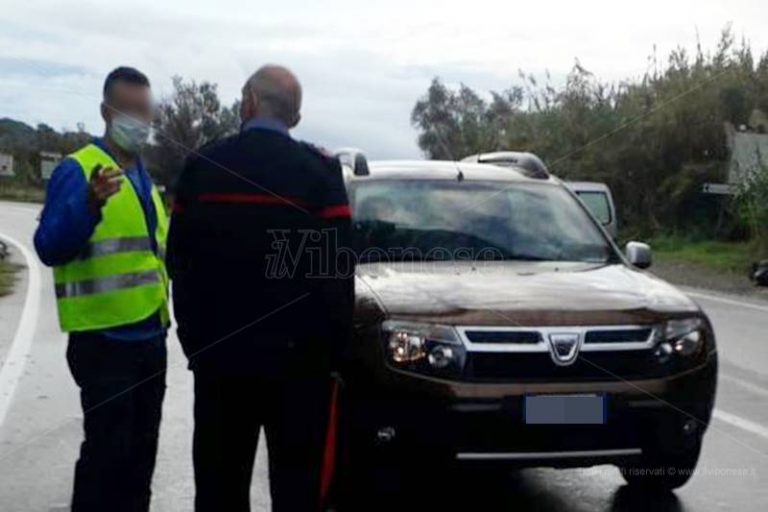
column 406, row 347
column 421, row 347
column 685, row 335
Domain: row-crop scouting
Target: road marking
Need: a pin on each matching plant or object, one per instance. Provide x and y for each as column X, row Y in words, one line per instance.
column 22, row 207
column 732, row 302
column 13, row 367
column 739, row 422
column 745, row 384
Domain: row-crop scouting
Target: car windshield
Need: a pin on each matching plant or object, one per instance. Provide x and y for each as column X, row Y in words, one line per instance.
column 455, row 220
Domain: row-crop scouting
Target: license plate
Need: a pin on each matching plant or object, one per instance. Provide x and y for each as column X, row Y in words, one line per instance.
column 564, row 409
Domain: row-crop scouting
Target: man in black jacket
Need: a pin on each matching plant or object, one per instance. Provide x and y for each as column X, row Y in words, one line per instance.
column 262, row 304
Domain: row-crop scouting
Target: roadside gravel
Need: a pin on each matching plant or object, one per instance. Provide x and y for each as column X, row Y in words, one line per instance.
column 698, row 276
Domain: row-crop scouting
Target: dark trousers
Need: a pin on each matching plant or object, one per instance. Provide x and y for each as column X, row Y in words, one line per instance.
column 229, row 412
column 122, row 384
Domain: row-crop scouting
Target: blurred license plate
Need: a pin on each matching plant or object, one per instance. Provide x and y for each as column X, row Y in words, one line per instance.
column 564, row 409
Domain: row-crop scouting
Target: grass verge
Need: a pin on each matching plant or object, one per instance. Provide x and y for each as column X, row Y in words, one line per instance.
column 733, row 257
column 23, row 194
column 7, row 277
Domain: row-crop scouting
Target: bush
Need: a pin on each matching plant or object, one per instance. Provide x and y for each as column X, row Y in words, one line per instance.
column 752, row 203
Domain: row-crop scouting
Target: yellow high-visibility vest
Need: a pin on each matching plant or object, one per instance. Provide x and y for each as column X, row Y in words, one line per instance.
column 117, row 279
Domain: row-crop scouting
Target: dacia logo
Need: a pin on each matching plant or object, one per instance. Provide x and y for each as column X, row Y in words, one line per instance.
column 564, row 347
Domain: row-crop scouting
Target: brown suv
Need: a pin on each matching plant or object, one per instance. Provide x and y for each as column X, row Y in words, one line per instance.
column 497, row 323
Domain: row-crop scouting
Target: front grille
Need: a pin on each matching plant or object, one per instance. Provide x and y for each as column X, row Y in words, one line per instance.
column 618, row 336
column 513, row 337
column 523, row 354
column 589, row 366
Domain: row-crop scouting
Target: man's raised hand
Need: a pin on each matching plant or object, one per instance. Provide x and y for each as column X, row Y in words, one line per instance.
column 105, row 182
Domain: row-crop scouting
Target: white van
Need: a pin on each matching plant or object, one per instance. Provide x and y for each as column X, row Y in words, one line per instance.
column 598, row 198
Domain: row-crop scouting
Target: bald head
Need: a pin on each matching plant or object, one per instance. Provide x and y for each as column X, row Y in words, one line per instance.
column 272, row 91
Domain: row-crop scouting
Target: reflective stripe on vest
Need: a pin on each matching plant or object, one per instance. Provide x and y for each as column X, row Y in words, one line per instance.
column 115, row 246
column 107, row 284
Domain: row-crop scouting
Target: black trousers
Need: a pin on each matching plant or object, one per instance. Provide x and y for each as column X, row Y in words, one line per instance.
column 229, row 411
column 122, row 384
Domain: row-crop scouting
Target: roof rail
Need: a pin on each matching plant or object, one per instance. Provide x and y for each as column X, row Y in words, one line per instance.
column 353, row 158
column 531, row 164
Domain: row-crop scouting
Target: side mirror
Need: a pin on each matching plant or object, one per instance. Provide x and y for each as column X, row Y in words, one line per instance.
column 638, row 254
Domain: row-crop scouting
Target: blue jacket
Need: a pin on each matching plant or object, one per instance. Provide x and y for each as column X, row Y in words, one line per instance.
column 66, row 225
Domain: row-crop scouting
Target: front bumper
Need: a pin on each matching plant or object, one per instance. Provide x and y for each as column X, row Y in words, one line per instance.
column 404, row 414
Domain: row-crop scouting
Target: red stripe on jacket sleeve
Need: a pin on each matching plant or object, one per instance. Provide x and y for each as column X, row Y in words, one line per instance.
column 239, row 198
column 335, row 212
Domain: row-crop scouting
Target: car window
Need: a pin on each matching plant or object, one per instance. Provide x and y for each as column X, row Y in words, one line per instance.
column 598, row 204
column 426, row 219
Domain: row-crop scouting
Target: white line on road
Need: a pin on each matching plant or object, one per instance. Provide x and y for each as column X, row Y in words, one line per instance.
column 724, row 300
column 12, row 368
column 758, row 390
column 739, row 422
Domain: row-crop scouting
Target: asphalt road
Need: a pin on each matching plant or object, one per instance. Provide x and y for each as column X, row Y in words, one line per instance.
column 40, row 421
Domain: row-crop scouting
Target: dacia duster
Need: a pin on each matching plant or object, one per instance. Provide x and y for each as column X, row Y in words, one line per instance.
column 498, row 323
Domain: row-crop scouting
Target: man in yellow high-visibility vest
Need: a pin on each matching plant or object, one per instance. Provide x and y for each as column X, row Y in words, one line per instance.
column 103, row 230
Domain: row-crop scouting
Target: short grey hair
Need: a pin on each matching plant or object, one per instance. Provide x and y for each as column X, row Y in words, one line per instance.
column 278, row 92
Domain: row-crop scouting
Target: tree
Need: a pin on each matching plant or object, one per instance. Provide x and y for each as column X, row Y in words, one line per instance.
column 654, row 140
column 191, row 117
column 25, row 144
column 456, row 124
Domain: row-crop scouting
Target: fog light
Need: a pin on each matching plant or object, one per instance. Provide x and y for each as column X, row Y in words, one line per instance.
column 664, row 352
column 441, row 357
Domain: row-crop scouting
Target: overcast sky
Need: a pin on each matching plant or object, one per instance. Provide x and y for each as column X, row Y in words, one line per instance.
column 363, row 63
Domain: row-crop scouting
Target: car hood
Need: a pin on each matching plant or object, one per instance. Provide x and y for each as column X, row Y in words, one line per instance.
column 526, row 293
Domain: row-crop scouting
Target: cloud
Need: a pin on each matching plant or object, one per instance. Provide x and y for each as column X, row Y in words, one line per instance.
column 39, row 68
column 363, row 64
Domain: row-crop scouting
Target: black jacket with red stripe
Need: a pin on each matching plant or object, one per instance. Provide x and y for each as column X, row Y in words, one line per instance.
column 259, row 283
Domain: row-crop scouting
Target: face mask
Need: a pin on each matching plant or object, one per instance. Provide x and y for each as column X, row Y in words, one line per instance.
column 129, row 133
